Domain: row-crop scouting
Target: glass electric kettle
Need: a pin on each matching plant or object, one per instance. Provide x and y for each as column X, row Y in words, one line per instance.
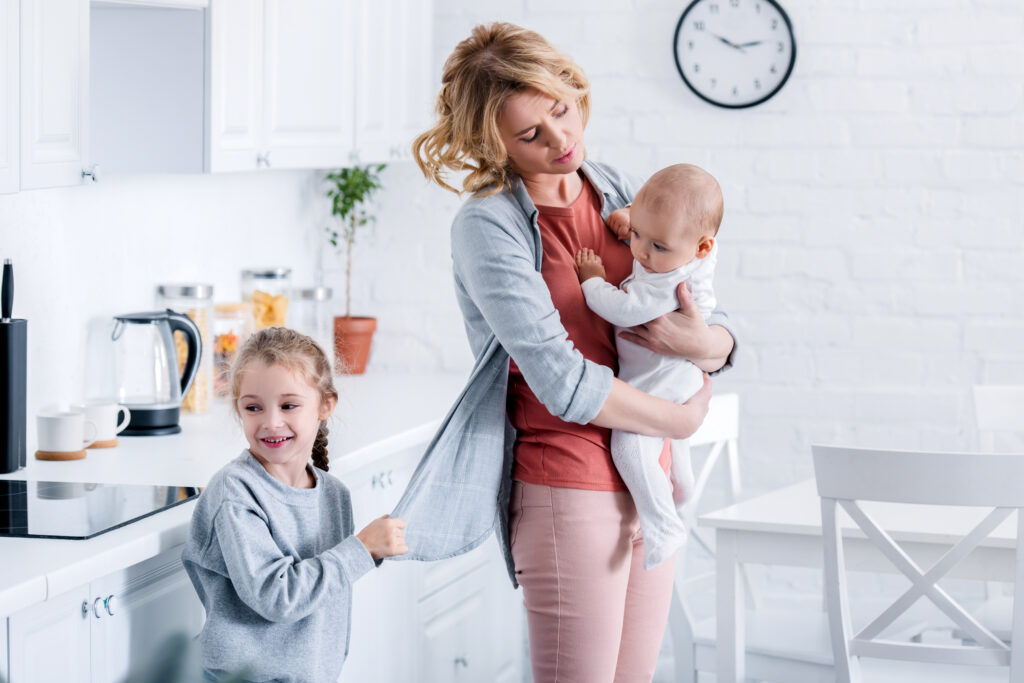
column 146, row 368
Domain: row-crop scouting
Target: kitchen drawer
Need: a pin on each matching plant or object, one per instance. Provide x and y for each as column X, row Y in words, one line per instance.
column 377, row 487
column 454, row 633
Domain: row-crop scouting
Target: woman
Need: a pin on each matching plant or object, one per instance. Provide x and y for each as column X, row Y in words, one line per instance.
column 531, row 430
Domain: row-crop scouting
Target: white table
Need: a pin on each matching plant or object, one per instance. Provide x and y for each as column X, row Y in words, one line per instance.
column 783, row 527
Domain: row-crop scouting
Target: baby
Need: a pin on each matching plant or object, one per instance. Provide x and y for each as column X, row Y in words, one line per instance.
column 671, row 227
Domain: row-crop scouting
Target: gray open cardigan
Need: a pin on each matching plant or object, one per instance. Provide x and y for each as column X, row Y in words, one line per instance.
column 460, row 490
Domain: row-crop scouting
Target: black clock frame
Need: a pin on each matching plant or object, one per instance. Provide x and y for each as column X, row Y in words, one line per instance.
column 768, row 96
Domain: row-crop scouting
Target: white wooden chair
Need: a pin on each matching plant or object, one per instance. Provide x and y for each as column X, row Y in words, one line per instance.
column 846, row 476
column 998, row 412
column 786, row 645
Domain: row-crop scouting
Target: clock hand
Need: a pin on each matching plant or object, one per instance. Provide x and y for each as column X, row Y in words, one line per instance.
column 750, row 44
column 728, row 42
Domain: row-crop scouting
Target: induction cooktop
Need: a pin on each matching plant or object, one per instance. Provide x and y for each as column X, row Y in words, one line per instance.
column 76, row 510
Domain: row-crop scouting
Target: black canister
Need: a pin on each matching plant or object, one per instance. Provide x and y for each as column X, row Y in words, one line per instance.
column 13, row 420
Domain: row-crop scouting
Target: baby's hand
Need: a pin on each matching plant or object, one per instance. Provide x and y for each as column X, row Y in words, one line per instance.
column 618, row 222
column 589, row 264
column 384, row 537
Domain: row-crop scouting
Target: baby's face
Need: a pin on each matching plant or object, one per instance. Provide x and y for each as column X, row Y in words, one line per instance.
column 661, row 241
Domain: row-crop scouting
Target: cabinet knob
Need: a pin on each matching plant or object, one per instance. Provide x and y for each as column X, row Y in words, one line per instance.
column 111, row 604
column 97, row 607
column 92, row 173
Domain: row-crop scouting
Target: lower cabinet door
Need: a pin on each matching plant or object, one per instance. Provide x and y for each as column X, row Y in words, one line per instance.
column 454, row 643
column 135, row 611
column 50, row 641
column 4, row 673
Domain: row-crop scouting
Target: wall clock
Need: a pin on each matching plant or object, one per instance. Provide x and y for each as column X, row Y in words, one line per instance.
column 734, row 53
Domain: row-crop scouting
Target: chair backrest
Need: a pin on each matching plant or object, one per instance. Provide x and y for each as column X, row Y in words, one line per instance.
column 846, row 476
column 717, row 435
column 997, row 408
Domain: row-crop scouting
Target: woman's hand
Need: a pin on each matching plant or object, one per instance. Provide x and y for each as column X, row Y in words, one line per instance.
column 684, row 334
column 384, row 537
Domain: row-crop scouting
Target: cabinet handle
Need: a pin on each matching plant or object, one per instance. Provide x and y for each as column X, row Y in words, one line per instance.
column 111, row 604
column 263, row 160
column 97, row 607
column 462, row 661
column 390, row 482
column 92, row 173
column 353, row 156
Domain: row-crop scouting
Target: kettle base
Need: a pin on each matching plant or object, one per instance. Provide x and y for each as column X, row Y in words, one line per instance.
column 151, row 431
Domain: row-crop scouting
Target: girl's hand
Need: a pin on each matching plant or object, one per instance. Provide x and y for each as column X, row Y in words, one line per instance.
column 384, row 537
column 684, row 334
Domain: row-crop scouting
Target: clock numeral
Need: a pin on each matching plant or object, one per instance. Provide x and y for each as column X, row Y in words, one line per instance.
column 734, row 3
column 757, row 84
column 775, row 24
column 714, row 82
column 757, row 7
column 689, row 45
column 774, row 70
column 780, row 47
column 698, row 25
column 735, row 90
column 713, row 8
column 696, row 68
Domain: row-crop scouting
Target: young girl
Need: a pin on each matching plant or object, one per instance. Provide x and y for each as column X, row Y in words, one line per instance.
column 270, row 550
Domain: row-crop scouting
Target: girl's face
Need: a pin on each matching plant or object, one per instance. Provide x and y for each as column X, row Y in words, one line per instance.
column 542, row 135
column 281, row 413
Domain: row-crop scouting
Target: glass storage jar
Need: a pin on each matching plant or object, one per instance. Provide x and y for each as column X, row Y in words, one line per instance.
column 311, row 314
column 196, row 301
column 267, row 289
column 232, row 325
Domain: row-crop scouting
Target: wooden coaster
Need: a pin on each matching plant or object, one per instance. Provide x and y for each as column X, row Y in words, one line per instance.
column 60, row 455
column 109, row 443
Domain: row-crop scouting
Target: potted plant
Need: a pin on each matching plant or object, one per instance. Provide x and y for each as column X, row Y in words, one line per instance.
column 350, row 190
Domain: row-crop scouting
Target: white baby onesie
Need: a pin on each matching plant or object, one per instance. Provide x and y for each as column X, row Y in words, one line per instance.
column 642, row 297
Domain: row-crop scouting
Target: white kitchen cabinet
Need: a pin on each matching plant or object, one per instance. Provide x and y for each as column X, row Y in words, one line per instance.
column 9, row 100
column 394, row 84
column 59, row 626
column 4, row 674
column 54, row 92
column 136, row 610
column 281, row 74
column 105, row 628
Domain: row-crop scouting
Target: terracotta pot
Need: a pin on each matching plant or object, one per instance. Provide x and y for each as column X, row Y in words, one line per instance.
column 352, row 338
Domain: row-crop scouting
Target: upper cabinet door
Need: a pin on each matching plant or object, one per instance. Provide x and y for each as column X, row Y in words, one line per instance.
column 54, row 92
column 393, row 77
column 9, row 178
column 235, row 97
column 308, row 78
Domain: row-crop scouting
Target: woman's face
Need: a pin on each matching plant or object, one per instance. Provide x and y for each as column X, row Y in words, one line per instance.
column 542, row 135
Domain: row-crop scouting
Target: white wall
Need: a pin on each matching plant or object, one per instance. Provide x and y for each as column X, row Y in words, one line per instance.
column 873, row 244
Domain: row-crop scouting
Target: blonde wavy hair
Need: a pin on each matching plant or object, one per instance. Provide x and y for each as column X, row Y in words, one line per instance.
column 299, row 353
column 495, row 62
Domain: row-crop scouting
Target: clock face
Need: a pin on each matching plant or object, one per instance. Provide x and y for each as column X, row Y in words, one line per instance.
column 734, row 53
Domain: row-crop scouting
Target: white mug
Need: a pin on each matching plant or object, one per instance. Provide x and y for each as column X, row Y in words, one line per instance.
column 106, row 415
column 64, row 431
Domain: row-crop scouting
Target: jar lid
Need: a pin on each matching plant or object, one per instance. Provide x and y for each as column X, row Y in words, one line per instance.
column 272, row 273
column 236, row 307
column 314, row 293
column 189, row 290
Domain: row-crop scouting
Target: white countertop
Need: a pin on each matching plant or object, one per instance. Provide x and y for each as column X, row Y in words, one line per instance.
column 376, row 415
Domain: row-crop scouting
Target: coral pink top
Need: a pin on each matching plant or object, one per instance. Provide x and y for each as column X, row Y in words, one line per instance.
column 548, row 450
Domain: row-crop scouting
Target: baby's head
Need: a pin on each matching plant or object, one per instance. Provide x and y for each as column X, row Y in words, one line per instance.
column 278, row 362
column 675, row 217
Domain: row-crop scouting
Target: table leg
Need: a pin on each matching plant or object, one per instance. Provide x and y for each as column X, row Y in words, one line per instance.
column 731, row 599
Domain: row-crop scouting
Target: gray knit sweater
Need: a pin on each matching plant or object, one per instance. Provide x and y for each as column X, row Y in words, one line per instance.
column 274, row 566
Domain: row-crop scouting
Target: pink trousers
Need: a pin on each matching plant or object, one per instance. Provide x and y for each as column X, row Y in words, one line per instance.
column 594, row 614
